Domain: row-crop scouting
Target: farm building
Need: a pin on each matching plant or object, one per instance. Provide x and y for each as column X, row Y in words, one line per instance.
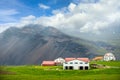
column 48, row 63
column 59, row 61
column 109, row 57
column 98, row 58
column 76, row 64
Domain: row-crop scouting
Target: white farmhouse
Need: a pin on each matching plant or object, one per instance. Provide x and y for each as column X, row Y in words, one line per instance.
column 59, row 61
column 109, row 57
column 76, row 64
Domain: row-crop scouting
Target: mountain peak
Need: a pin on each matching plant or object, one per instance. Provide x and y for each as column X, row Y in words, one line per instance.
column 34, row 43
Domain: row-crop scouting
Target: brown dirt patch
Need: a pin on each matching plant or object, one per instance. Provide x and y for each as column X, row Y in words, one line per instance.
column 6, row 72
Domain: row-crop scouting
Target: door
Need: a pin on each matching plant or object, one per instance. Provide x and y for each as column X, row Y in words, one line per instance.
column 71, row 67
column 86, row 67
column 81, row 67
column 66, row 67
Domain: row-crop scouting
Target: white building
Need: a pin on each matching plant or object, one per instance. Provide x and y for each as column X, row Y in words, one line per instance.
column 59, row 61
column 76, row 64
column 109, row 57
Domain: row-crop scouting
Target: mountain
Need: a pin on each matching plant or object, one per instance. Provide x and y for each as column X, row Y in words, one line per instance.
column 107, row 38
column 34, row 43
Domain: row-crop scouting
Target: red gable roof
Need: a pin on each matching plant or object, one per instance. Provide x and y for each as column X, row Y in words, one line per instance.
column 98, row 58
column 48, row 63
column 83, row 59
column 69, row 59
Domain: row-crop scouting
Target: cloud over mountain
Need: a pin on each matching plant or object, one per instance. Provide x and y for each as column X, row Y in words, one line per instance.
column 84, row 17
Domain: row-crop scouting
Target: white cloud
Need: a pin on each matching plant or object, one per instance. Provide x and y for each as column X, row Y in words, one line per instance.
column 3, row 27
column 84, row 17
column 8, row 12
column 27, row 20
column 84, row 1
column 71, row 7
column 24, row 21
column 43, row 6
column 7, row 15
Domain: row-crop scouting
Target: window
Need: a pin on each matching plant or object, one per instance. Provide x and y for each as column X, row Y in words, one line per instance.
column 66, row 63
column 86, row 63
column 76, row 62
column 71, row 62
column 81, row 63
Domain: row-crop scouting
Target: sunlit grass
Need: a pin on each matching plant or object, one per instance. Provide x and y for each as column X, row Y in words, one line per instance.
column 37, row 72
column 108, row 63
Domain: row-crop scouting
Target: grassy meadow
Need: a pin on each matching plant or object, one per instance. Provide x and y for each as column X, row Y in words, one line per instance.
column 33, row 72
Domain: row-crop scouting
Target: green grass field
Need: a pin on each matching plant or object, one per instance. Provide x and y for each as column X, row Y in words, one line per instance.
column 56, row 73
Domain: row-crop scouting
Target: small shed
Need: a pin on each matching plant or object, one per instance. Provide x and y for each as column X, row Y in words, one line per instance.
column 48, row 63
column 109, row 57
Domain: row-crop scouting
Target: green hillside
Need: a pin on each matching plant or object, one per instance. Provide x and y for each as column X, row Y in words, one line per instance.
column 29, row 72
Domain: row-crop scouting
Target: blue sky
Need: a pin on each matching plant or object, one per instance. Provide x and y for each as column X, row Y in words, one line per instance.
column 13, row 10
column 76, row 16
column 21, row 8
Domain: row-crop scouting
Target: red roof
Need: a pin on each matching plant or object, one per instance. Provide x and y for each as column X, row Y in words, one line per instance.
column 69, row 59
column 81, row 59
column 98, row 58
column 84, row 59
column 48, row 63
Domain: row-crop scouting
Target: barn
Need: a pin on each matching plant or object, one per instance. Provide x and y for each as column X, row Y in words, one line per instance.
column 76, row 64
column 48, row 63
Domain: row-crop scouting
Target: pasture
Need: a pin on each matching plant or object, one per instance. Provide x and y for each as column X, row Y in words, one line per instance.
column 37, row 72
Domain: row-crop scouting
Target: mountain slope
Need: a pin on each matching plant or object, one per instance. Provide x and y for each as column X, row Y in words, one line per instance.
column 34, row 43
